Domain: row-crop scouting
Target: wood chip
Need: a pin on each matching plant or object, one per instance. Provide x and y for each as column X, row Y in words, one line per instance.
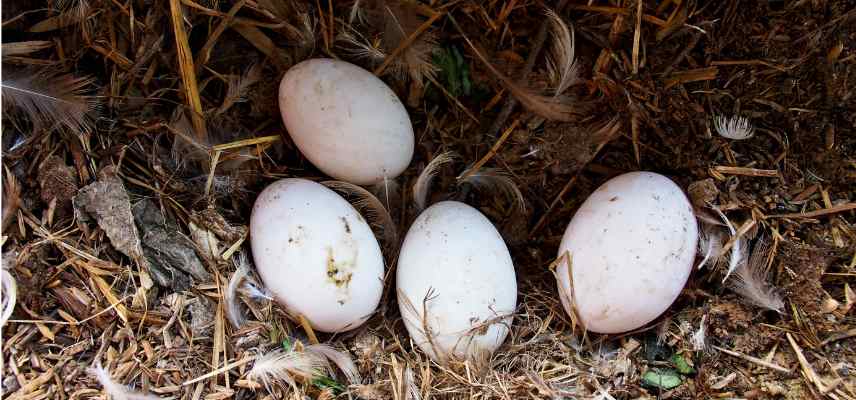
column 764, row 173
column 817, row 213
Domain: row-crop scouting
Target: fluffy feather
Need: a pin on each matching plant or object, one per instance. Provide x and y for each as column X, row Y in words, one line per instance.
column 374, row 209
column 357, row 46
column 233, row 310
column 736, row 127
column 709, row 244
column 283, row 366
column 187, row 147
column 238, row 85
column 356, row 14
column 738, row 249
column 750, row 280
column 74, row 10
column 341, row 359
column 423, row 182
column 699, row 337
column 51, row 100
column 493, row 180
column 114, row 389
column 556, row 108
column 562, row 63
column 401, row 21
column 388, row 191
column 254, row 291
column 9, row 289
column 306, row 34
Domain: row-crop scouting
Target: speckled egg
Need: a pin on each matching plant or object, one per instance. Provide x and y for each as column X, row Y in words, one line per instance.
column 346, row 121
column 632, row 244
column 456, row 283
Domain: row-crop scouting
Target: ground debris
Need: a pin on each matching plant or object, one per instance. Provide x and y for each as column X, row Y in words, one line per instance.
column 57, row 181
column 171, row 255
column 107, row 201
column 213, row 221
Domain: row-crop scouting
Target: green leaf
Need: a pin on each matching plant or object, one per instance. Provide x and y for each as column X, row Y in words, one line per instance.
column 325, row 382
column 454, row 73
column 663, row 379
column 682, row 365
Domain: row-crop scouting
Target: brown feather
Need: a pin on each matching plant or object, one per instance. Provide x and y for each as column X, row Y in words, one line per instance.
column 51, row 100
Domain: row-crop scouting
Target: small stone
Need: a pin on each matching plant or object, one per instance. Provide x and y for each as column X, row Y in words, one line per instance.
column 703, row 192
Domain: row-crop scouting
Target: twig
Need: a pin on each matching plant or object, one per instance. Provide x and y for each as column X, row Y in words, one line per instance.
column 806, row 367
column 764, row 173
column 740, row 232
column 491, row 152
column 308, row 328
column 188, row 73
column 838, row 336
column 219, row 370
column 817, row 213
column 555, row 202
column 205, row 52
column 452, row 98
column 753, row 360
column 636, row 38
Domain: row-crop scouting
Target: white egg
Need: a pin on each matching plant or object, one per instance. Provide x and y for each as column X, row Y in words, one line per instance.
column 316, row 254
column 346, row 121
column 632, row 245
column 455, row 265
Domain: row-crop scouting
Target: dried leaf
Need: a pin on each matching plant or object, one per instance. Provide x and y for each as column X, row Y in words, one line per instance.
column 108, row 202
column 168, row 252
column 21, row 48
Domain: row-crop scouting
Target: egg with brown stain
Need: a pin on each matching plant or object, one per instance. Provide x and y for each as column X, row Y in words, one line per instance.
column 316, row 254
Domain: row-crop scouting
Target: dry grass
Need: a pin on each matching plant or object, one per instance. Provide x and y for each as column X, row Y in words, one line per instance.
column 188, row 132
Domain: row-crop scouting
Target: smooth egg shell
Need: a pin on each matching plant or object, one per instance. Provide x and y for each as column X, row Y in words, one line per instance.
column 346, row 121
column 455, row 261
column 632, row 245
column 316, row 254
